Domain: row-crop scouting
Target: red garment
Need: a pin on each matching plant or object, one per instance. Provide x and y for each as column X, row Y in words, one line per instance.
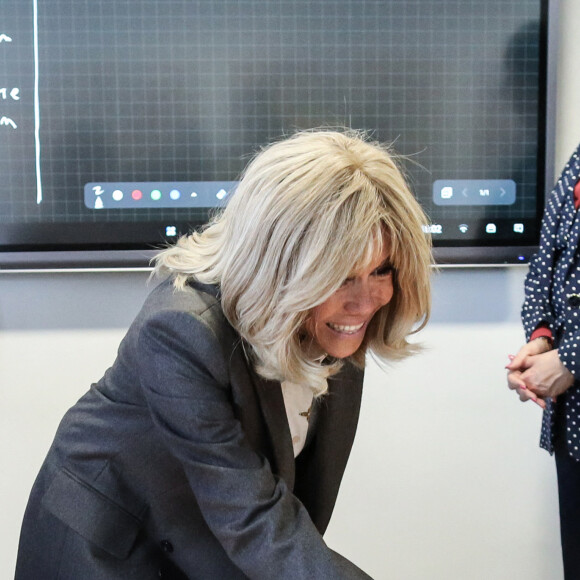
column 542, row 331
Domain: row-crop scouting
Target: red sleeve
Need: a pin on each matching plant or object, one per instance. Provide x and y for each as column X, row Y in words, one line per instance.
column 542, row 331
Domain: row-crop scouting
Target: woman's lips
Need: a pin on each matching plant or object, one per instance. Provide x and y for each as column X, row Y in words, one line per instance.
column 345, row 328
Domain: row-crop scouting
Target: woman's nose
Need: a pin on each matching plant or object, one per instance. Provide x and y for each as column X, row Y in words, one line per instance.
column 359, row 299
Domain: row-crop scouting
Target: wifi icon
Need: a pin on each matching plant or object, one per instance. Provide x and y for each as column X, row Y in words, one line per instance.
column 463, row 228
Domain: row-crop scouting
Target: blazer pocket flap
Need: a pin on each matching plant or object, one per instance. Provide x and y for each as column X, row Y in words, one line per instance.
column 91, row 514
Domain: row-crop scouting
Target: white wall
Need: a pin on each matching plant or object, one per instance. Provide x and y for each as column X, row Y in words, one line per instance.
column 446, row 480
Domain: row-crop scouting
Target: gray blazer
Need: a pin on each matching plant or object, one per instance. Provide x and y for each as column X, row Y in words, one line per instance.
column 178, row 463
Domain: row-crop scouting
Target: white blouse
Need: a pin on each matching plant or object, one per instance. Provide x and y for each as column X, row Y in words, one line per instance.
column 298, row 400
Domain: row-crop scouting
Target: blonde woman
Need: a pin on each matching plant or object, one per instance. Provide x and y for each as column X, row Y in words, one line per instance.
column 215, row 445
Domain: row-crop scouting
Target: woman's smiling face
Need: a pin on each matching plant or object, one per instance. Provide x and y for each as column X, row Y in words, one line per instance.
column 338, row 325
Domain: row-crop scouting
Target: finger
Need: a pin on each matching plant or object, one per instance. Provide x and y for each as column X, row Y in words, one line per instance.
column 525, row 395
column 518, row 361
column 540, row 402
column 514, row 380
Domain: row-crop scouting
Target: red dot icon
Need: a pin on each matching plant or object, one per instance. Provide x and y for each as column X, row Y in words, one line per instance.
column 136, row 194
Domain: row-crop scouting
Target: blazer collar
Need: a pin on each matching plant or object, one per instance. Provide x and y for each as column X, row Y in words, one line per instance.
column 274, row 413
column 211, row 289
column 336, row 424
column 271, row 401
column 321, row 465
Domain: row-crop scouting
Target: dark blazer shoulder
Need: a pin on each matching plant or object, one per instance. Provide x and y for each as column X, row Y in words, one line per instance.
column 198, row 300
column 195, row 298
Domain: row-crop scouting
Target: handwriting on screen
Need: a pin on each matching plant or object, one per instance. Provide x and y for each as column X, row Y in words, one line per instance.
column 8, row 93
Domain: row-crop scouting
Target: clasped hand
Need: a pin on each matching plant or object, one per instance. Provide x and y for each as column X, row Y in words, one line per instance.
column 537, row 373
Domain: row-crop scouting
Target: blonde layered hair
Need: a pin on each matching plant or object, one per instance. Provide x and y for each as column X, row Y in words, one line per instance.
column 308, row 212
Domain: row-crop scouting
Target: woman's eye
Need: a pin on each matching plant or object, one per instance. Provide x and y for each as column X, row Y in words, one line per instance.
column 380, row 272
column 384, row 270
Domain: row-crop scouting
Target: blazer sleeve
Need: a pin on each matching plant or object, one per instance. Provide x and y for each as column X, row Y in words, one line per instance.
column 262, row 526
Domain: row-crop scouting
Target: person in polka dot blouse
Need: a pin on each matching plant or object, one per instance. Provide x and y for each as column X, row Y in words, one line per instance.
column 546, row 369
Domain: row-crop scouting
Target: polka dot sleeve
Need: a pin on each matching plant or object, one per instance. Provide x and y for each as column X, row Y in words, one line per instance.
column 536, row 309
column 548, row 275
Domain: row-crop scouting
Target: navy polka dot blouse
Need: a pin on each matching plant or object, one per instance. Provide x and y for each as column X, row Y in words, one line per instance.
column 552, row 296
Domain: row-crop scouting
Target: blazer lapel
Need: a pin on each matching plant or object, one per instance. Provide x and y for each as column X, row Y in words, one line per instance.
column 274, row 412
column 320, row 467
column 270, row 399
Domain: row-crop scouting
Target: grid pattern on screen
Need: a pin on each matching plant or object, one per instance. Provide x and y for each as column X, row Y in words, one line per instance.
column 181, row 90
